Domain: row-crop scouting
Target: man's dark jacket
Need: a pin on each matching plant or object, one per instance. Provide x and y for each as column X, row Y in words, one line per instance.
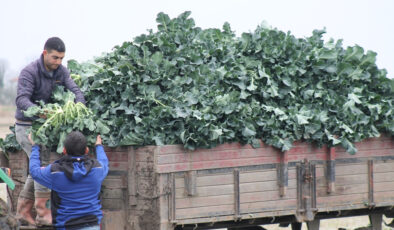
column 35, row 84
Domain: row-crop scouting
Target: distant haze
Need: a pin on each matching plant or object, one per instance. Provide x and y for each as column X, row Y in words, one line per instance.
column 90, row 27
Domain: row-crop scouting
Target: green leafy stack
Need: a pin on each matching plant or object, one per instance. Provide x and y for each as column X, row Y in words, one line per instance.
column 61, row 118
column 203, row 87
column 185, row 85
column 9, row 143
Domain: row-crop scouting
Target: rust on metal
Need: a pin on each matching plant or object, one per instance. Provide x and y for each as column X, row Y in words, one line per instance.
column 237, row 203
column 283, row 175
column 306, row 191
column 371, row 202
column 191, row 183
column 330, row 170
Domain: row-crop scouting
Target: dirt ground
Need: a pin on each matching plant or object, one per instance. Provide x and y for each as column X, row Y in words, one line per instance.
column 349, row 223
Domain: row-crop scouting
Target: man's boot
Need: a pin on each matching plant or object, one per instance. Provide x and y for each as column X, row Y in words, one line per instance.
column 42, row 205
column 23, row 211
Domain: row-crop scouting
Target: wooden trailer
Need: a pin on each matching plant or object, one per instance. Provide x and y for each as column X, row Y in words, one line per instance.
column 234, row 186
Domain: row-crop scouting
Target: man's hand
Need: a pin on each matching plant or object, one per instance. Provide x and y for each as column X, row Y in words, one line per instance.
column 30, row 139
column 98, row 140
column 43, row 115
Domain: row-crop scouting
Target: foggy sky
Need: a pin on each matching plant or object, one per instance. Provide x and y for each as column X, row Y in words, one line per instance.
column 90, row 27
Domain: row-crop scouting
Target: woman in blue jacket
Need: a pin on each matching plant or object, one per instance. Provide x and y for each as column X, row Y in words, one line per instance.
column 75, row 181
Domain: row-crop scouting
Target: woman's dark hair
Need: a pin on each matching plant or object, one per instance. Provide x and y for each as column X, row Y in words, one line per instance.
column 55, row 43
column 75, row 143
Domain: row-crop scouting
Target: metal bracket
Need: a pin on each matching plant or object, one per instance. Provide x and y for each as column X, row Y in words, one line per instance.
column 306, row 192
column 191, row 183
column 371, row 202
column 237, row 204
column 282, row 173
column 330, row 170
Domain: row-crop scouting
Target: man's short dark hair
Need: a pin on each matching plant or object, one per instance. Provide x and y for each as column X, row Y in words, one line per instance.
column 55, row 43
column 75, row 143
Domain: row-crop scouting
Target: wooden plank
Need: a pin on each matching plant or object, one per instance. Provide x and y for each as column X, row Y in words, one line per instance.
column 228, row 188
column 218, row 179
column 266, row 175
column 191, row 202
column 383, row 142
column 265, row 186
column 384, row 186
column 173, row 158
column 171, row 149
column 208, row 211
column 249, row 214
column 285, row 204
column 112, row 204
column 348, row 199
column 109, row 150
column 384, row 167
column 208, row 191
column 320, row 171
column 302, row 148
column 212, row 155
column 179, row 167
column 352, row 174
column 257, row 214
column 145, row 154
column 181, row 160
column 383, row 196
column 245, row 216
column 122, row 156
column 383, row 177
column 112, row 194
column 309, row 156
column 116, row 165
column 351, row 169
column 366, row 153
column 174, row 154
column 351, row 179
column 113, row 220
column 267, row 196
column 114, row 182
column 343, row 190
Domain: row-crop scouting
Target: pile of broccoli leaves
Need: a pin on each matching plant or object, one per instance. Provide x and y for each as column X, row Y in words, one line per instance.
column 201, row 87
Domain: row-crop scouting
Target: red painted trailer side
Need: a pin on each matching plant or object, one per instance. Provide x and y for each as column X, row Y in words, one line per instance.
column 168, row 187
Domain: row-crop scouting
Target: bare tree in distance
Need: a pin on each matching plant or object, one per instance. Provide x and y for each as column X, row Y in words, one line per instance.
column 8, row 83
column 3, row 69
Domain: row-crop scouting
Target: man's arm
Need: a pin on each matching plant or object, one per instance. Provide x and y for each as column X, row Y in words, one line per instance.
column 25, row 91
column 101, row 156
column 41, row 175
column 70, row 85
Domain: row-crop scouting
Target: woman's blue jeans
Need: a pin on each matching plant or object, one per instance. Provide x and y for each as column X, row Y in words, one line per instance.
column 97, row 227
